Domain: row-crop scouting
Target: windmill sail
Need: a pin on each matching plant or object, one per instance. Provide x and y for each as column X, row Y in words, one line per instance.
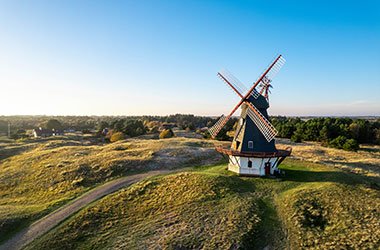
column 272, row 70
column 238, row 87
column 232, row 81
column 236, row 84
column 214, row 130
column 262, row 123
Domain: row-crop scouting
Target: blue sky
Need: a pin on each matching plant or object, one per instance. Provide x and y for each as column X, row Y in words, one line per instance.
column 161, row 57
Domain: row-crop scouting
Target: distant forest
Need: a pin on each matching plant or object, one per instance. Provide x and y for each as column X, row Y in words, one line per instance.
column 345, row 133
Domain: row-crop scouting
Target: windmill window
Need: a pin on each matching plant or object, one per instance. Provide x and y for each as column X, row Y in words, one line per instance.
column 250, row 144
column 249, row 163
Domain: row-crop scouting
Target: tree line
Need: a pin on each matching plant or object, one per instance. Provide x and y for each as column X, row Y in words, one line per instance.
column 343, row 133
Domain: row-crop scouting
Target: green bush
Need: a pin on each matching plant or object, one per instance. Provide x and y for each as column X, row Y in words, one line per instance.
column 296, row 138
column 351, row 145
column 53, row 124
column 117, row 136
column 167, row 133
column 342, row 142
column 131, row 128
column 338, row 142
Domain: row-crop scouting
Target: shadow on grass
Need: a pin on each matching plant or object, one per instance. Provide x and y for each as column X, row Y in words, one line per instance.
column 370, row 150
column 12, row 151
column 331, row 176
column 366, row 166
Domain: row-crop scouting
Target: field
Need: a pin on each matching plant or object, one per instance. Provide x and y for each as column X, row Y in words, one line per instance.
column 314, row 206
column 209, row 208
column 38, row 176
column 365, row 161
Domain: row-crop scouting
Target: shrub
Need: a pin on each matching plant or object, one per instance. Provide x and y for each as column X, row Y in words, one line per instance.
column 342, row 142
column 338, row 142
column 131, row 128
column 351, row 145
column 167, row 133
column 117, row 137
column 296, row 138
column 53, row 124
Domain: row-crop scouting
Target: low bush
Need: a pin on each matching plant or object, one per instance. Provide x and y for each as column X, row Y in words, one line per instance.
column 167, row 133
column 117, row 137
column 342, row 142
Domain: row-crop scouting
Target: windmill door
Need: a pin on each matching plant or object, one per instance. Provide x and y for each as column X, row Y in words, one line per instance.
column 267, row 168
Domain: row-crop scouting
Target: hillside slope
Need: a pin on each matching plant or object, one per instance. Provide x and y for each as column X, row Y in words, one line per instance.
column 39, row 176
column 314, row 206
column 186, row 210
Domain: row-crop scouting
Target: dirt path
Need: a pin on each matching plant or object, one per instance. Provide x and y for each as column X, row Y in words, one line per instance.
column 46, row 223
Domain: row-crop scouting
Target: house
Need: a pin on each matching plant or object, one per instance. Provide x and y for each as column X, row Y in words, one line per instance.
column 42, row 132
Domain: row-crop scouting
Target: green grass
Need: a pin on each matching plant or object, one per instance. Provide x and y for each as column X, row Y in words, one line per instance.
column 329, row 208
column 206, row 207
column 313, row 206
column 38, row 176
column 189, row 209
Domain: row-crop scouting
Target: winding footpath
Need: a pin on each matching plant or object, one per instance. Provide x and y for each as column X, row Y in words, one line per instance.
column 51, row 220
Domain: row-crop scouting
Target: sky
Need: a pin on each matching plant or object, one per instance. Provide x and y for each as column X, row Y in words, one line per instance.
column 161, row 57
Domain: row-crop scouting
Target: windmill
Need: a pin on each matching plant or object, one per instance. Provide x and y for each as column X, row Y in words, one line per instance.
column 253, row 150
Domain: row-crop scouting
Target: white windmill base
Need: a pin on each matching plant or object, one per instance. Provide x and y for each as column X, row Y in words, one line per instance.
column 253, row 166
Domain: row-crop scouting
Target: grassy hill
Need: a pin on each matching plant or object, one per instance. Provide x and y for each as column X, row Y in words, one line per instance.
column 37, row 176
column 314, row 206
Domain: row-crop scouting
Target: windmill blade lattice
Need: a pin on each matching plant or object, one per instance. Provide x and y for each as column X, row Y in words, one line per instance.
column 214, row 130
column 225, row 75
column 274, row 70
column 262, row 123
column 228, row 78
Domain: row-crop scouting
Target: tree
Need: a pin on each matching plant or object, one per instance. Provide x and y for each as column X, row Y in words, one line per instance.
column 167, row 133
column 324, row 134
column 19, row 134
column 342, row 142
column 351, row 145
column 377, row 135
column 298, row 134
column 296, row 138
column 102, row 125
column 3, row 126
column 338, row 142
column 53, row 124
column 134, row 128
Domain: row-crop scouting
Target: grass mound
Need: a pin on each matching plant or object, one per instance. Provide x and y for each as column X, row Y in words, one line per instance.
column 39, row 176
column 312, row 207
column 332, row 216
column 182, row 211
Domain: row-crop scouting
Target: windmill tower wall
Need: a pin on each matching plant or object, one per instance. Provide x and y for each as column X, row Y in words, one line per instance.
column 253, row 166
column 248, row 137
column 249, row 140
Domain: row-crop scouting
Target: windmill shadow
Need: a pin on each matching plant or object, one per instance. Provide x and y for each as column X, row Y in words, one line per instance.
column 341, row 177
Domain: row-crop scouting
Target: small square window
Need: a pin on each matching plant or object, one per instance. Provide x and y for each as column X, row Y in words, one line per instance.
column 250, row 144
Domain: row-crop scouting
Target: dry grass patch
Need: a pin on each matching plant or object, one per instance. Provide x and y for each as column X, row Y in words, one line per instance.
column 313, row 206
column 51, row 172
column 365, row 161
column 331, row 216
column 182, row 211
